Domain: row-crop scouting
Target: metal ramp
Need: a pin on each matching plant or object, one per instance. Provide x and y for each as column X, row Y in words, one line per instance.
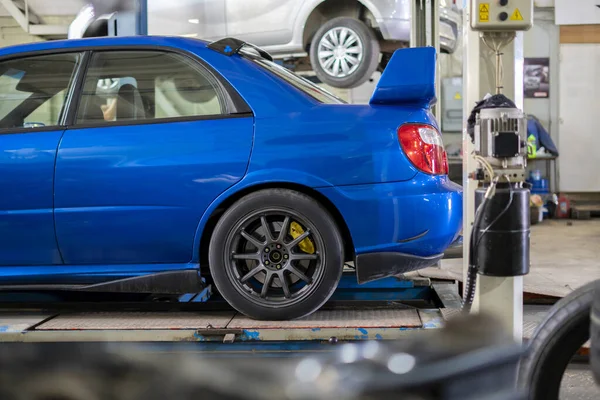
column 386, row 309
column 327, row 325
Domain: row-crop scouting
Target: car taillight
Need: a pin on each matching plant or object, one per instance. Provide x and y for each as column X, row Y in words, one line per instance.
column 424, row 147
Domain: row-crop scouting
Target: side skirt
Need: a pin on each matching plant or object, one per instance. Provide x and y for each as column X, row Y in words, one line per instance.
column 171, row 282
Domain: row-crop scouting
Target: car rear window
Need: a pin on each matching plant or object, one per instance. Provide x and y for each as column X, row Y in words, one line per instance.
column 300, row 83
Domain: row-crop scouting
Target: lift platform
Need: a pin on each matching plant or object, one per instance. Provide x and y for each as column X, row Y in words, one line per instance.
column 385, row 309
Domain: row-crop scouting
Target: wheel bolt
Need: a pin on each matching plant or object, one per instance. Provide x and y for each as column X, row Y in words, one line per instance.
column 278, row 266
column 267, row 263
column 278, row 246
column 286, row 256
column 266, row 250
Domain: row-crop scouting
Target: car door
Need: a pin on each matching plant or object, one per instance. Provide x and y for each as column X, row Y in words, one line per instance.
column 33, row 93
column 156, row 139
column 262, row 22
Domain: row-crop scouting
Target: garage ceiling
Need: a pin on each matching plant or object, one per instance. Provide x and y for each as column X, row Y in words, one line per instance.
column 29, row 14
column 45, row 8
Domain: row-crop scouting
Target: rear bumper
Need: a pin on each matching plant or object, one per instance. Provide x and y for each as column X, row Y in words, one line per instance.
column 372, row 266
column 401, row 226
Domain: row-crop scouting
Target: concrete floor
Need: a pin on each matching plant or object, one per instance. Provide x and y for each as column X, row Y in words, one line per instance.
column 565, row 254
column 578, row 384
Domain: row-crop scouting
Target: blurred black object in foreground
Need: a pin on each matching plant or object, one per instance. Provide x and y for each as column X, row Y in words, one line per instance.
column 469, row 359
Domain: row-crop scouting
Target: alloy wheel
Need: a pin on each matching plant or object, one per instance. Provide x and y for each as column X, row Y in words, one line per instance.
column 275, row 257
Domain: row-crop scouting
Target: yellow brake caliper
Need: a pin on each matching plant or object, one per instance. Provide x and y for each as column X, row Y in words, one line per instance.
column 305, row 245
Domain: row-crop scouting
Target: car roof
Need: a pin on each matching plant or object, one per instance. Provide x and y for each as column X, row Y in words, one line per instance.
column 79, row 44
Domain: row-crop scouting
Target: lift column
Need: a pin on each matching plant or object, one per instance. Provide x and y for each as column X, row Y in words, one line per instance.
column 498, row 296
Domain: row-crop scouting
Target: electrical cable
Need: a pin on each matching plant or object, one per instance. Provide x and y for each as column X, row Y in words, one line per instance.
column 471, row 279
column 504, row 210
column 486, row 165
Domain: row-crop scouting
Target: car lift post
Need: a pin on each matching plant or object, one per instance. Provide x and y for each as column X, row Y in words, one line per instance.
column 425, row 31
column 501, row 297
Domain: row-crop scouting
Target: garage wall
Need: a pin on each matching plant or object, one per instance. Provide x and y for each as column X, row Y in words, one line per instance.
column 579, row 141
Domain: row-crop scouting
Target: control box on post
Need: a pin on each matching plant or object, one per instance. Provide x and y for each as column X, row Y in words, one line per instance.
column 501, row 15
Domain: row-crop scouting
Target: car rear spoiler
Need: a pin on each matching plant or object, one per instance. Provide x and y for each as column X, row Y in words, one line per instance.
column 230, row 46
column 408, row 78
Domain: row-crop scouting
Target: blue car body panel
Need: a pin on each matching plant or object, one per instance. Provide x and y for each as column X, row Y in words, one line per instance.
column 26, row 203
column 147, row 184
column 100, row 203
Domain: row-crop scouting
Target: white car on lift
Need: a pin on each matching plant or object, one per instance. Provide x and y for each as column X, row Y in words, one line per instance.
column 345, row 40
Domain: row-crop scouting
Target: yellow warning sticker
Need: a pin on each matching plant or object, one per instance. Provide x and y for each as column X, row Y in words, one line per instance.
column 484, row 12
column 457, row 96
column 516, row 16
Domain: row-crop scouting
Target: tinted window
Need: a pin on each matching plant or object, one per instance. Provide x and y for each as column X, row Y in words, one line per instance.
column 145, row 85
column 300, row 83
column 33, row 90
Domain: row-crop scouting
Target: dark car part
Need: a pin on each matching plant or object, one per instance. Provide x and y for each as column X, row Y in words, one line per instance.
column 595, row 334
column 556, row 340
column 344, row 52
column 169, row 282
column 276, row 254
column 230, row 46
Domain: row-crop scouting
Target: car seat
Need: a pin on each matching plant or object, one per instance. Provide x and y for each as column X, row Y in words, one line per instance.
column 129, row 103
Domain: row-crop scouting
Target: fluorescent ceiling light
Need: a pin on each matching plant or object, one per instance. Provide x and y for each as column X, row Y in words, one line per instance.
column 194, row 21
column 189, row 35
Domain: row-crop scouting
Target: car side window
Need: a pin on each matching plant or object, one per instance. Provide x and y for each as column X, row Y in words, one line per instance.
column 125, row 86
column 33, row 90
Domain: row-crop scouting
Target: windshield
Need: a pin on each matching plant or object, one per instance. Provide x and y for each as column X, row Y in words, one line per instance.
column 300, row 83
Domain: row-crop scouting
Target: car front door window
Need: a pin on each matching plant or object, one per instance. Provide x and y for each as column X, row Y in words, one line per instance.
column 33, row 90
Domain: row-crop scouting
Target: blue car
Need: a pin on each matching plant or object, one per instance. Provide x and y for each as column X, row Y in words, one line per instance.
column 156, row 164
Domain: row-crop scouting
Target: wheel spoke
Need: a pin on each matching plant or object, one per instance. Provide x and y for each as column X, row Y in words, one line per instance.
column 343, row 35
column 345, row 67
column 351, row 39
column 334, row 38
column 325, row 53
column 303, row 256
column 251, row 273
column 336, row 66
column 351, row 60
column 329, row 62
column 252, row 239
column 265, row 225
column 353, row 50
column 284, row 285
column 284, row 228
column 298, row 273
column 326, row 43
column 300, row 238
column 247, row 256
column 266, row 284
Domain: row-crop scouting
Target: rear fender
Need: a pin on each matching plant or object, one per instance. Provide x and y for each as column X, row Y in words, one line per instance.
column 250, row 180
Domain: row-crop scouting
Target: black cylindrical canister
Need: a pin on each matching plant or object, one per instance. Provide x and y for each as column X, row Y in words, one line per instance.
column 503, row 248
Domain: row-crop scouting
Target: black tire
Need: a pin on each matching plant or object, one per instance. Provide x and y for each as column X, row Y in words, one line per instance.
column 561, row 334
column 317, row 221
column 595, row 334
column 369, row 56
